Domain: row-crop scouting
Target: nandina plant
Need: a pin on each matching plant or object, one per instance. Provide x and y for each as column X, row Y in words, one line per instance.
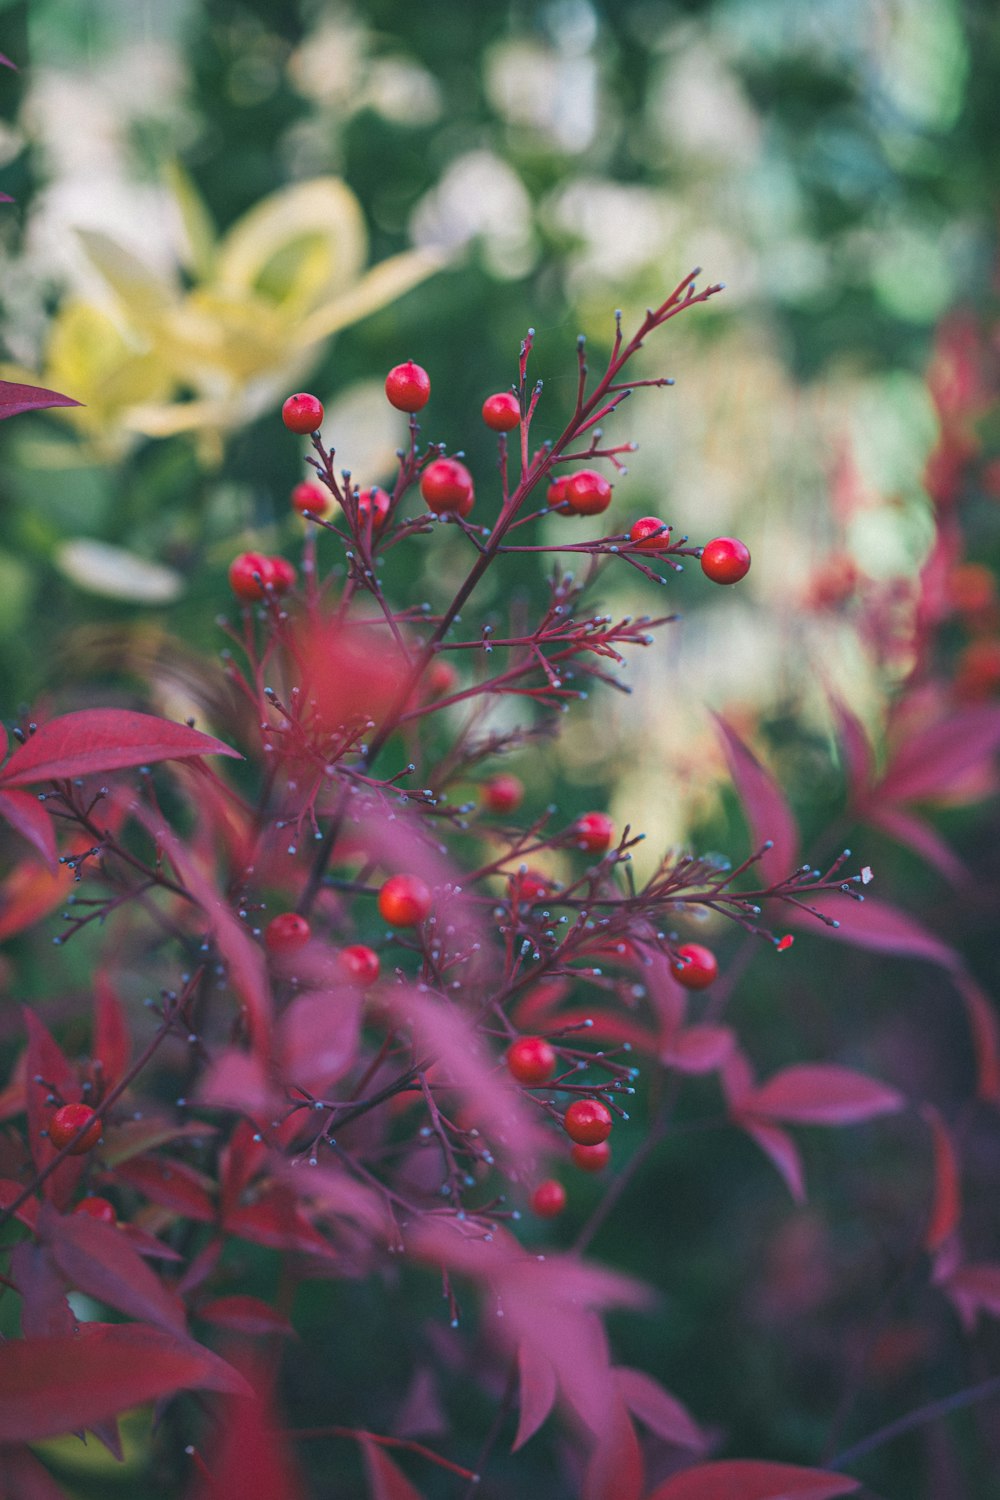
column 357, row 1004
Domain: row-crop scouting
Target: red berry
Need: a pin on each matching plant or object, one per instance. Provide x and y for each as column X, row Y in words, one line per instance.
column 97, row 1208
column 446, row 485
column 555, row 497
column 312, row 498
column 302, row 413
column 531, row 886
column 503, row 793
column 725, row 560
column 531, row 1060
column 248, row 575
column 593, row 832
column 67, row 1121
column 694, row 967
column 375, row 503
column 404, row 901
column 549, row 1199
column 441, row 678
column 650, row 534
column 588, row 1122
column 282, row 574
column 360, row 963
column 408, row 387
column 783, row 944
column 587, row 493
column 592, row 1158
column 287, row 932
column 502, row 412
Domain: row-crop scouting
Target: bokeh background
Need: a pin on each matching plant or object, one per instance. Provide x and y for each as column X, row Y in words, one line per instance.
column 221, row 202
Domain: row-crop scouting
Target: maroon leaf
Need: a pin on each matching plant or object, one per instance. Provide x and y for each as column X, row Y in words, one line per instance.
column 386, row 1481
column 698, row 1049
column 763, row 802
column 946, row 1204
column 15, row 398
column 112, row 1042
column 9, row 1193
column 318, row 1037
column 335, row 1195
column 238, row 1080
column 749, row 1479
column 975, row 1289
column 855, row 748
column 173, row 1184
column 24, row 812
column 251, row 1456
column 537, row 1391
column 135, row 1137
column 245, row 1314
column 276, row 1221
column 658, row 1410
column 25, row 1478
column 982, row 1019
column 95, row 740
column 779, row 1147
column 96, row 1259
column 46, row 1061
column 906, row 828
column 821, row 1094
column 930, row 760
column 56, row 1385
column 45, row 1312
column 875, row 925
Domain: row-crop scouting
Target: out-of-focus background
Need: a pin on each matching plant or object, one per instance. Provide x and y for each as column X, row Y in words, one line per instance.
column 218, row 203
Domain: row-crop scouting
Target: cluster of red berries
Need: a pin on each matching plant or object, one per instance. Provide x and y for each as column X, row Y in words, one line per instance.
column 586, row 493
column 254, row 575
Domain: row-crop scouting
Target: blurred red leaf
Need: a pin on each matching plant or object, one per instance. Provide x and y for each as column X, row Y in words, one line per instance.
column 779, row 1147
column 748, row 1479
column 16, row 398
column 56, row 1385
column 931, row 759
column 614, row 1469
column 335, row 1195
column 238, row 1080
column 975, row 1289
column 946, row 1202
column 45, row 1312
column 536, row 1391
column 909, row 829
column 112, row 1042
column 658, row 1410
column 875, row 925
column 24, row 812
column 171, row 1183
column 698, row 1049
column 24, row 1477
column 386, row 1481
column 765, row 806
column 94, row 740
column 855, row 749
column 318, row 1036
column 95, row 1258
column 9, row 1192
column 821, row 1094
column 135, row 1137
column 29, row 893
column 276, row 1221
column 985, row 1029
column 245, row 1315
column 250, row 1455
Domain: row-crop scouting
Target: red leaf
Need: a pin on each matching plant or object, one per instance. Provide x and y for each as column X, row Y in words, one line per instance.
column 95, row 740
column 171, row 1183
column 96, row 1259
column 614, row 1469
column 821, row 1094
column 778, row 1145
column 906, row 828
column 46, row 1061
column 946, row 1204
column 386, row 1481
column 318, row 1037
column 29, row 893
column 276, row 1221
column 975, row 1289
column 335, row 1195
column 875, row 925
column 238, row 1080
column 135, row 1137
column 112, row 1042
column 699, row 1049
column 763, row 802
column 9, row 1191
column 536, row 1391
column 748, row 1479
column 982, row 1019
column 658, row 1410
column 931, row 759
column 251, row 1456
column 56, row 1385
column 15, row 398
column 855, row 749
column 24, row 812
column 245, row 1314
column 45, row 1312
column 24, row 1477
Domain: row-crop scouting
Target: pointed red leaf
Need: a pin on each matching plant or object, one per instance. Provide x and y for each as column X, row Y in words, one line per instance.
column 112, row 1042
column 95, row 740
column 749, row 1479
column 930, row 760
column 875, row 925
column 29, row 893
column 615, row 1469
column 778, row 1145
column 821, row 1094
column 56, row 1385
column 276, row 1221
column 25, row 1477
column 699, row 1049
column 135, row 1137
column 855, row 749
column 171, row 1183
column 985, row 1028
column 317, row 1038
column 251, row 1456
column 245, row 1315
column 386, row 1481
column 333, row 1195
column 536, row 1391
column 45, row 1313
column 946, row 1203
column 909, row 829
column 24, row 812
column 95, row 1258
column 658, row 1410
column 974, row 1290
column 15, row 398
column 764, row 804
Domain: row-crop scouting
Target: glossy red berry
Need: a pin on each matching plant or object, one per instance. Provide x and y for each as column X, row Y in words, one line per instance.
column 67, row 1121
column 587, row 493
column 408, row 387
column 588, row 1122
column 446, row 486
column 725, row 560
column 591, row 1158
column 287, row 932
column 555, row 496
column 97, row 1208
column 404, row 901
column 549, row 1199
column 593, row 832
column 502, row 412
column 650, row 534
column 282, row 574
column 694, row 967
column 503, row 793
column 302, row 413
column 531, row 1060
column 312, row 498
column 249, row 574
column 375, row 503
column 361, row 964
